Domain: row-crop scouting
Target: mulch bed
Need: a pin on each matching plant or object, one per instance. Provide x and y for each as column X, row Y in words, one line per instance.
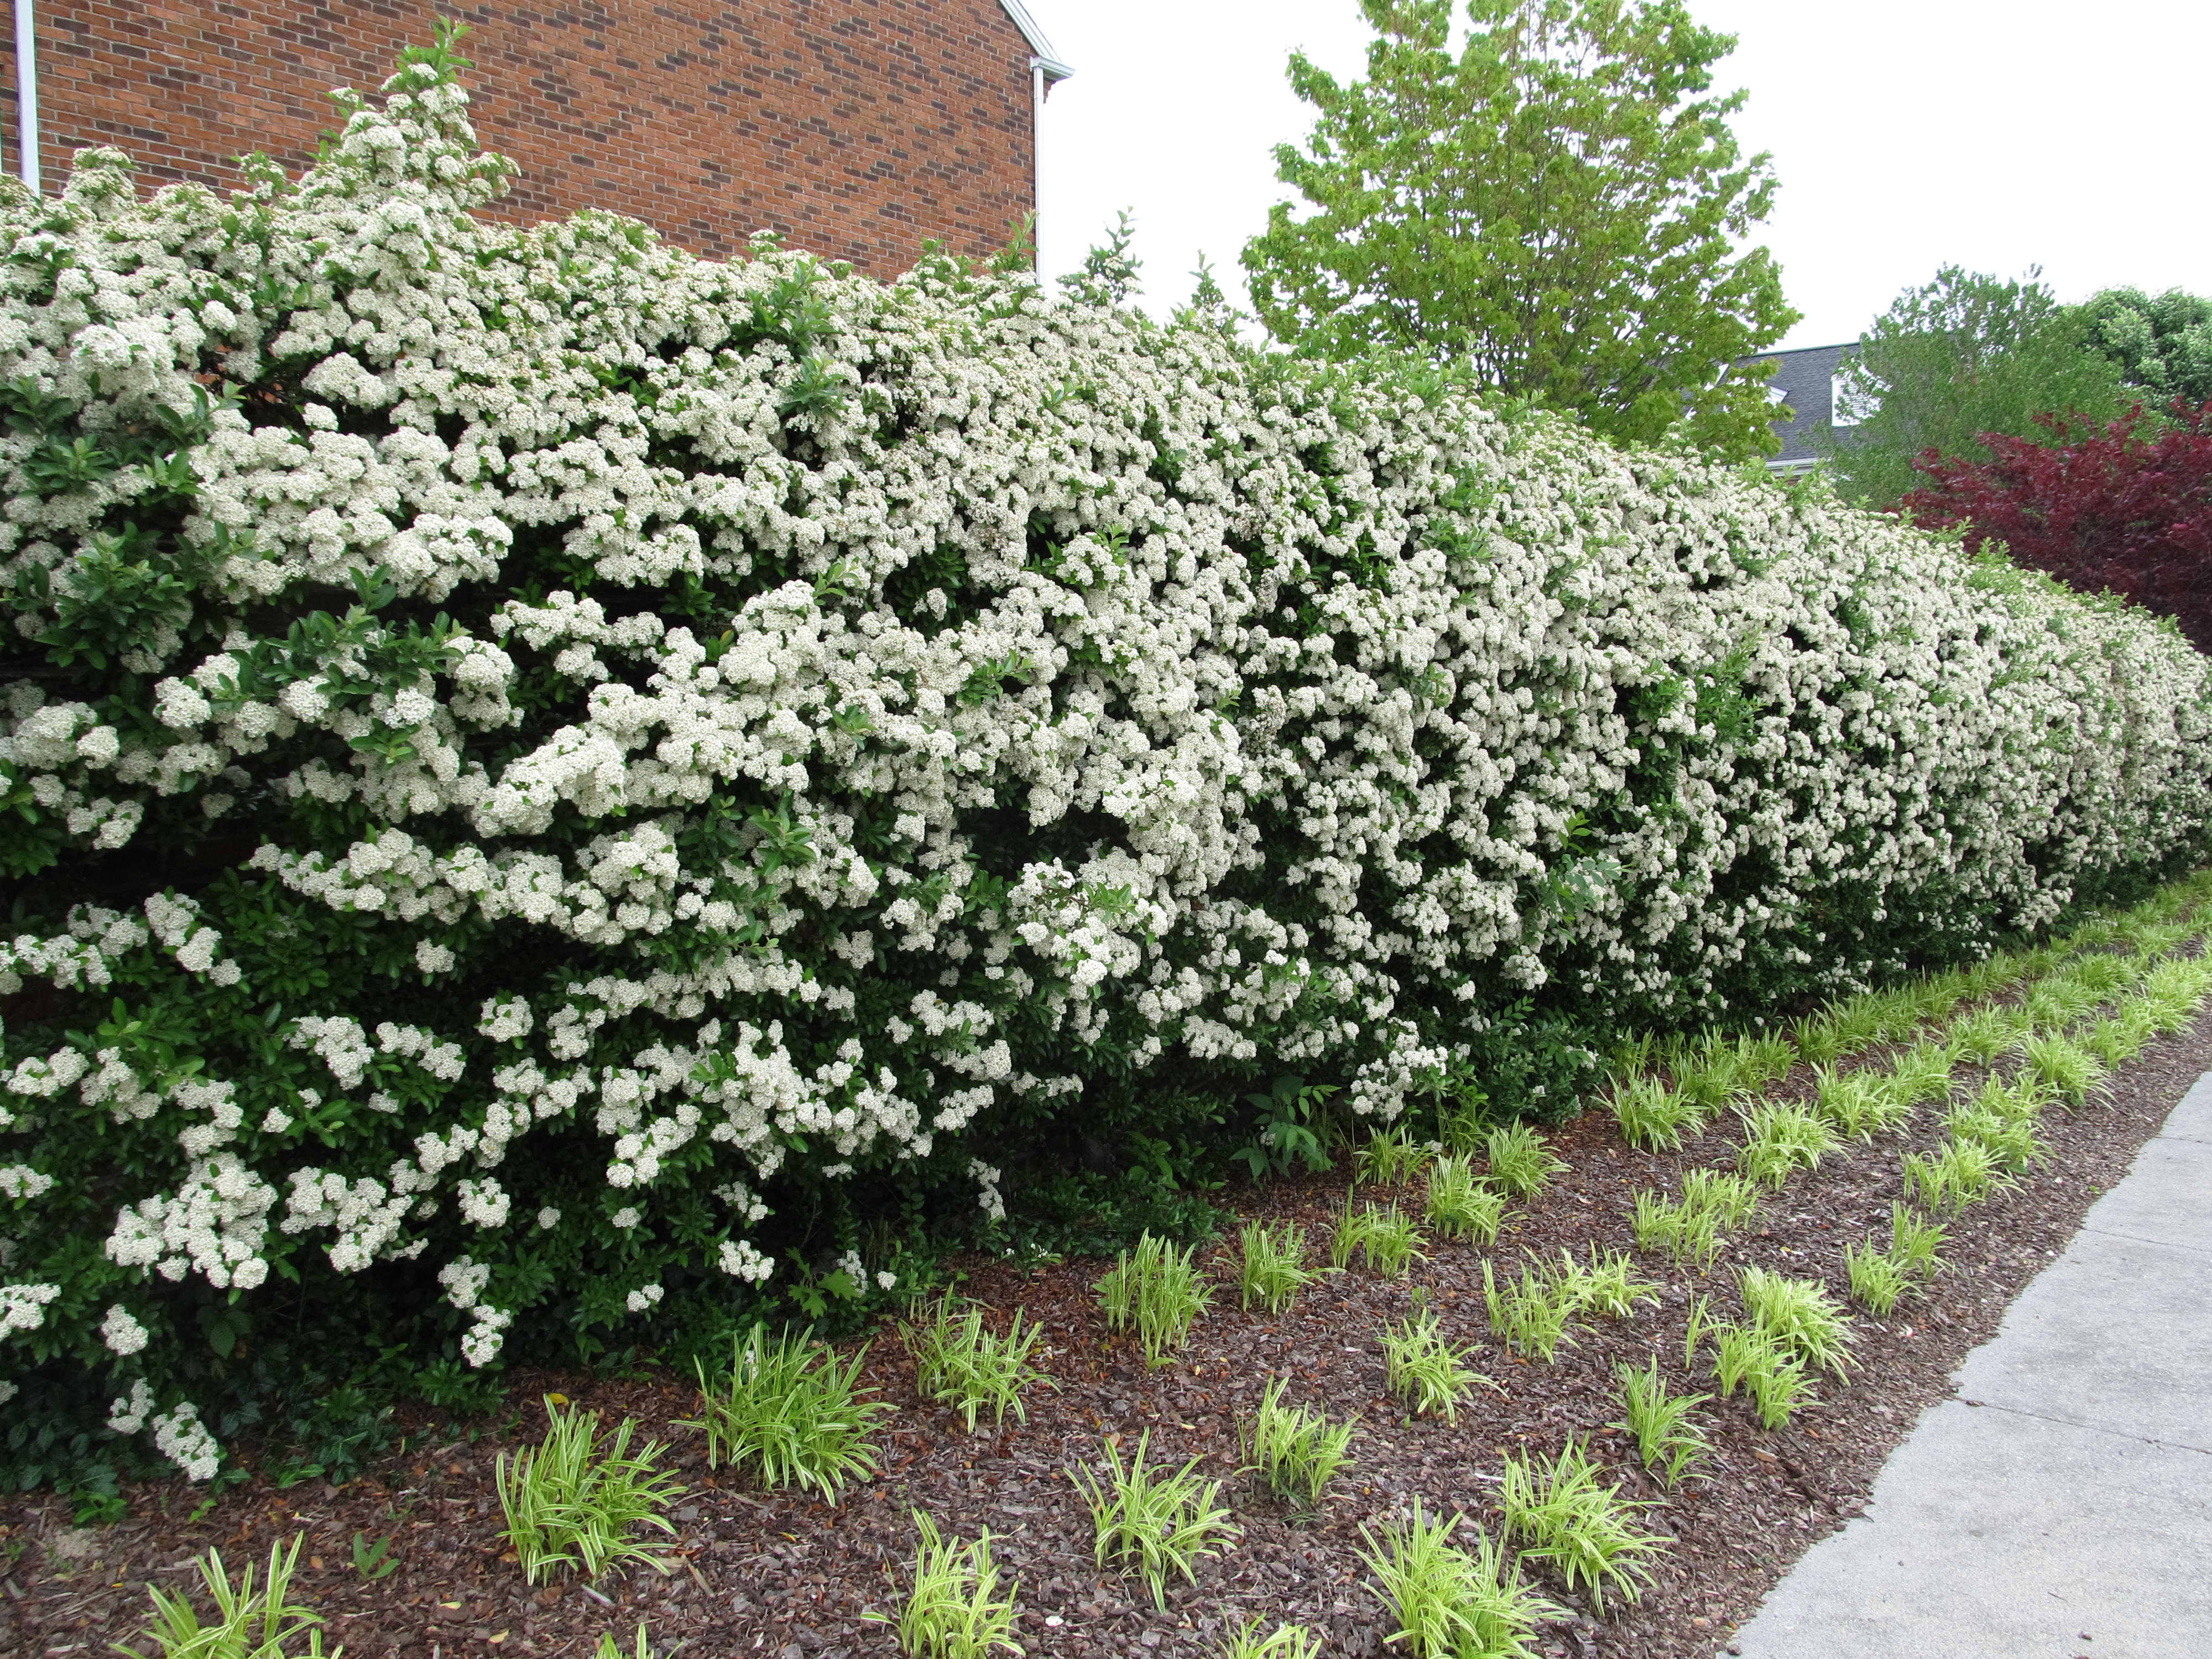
column 784, row 1576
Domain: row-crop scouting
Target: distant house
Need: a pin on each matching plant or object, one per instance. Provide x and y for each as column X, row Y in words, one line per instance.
column 1804, row 389
column 859, row 129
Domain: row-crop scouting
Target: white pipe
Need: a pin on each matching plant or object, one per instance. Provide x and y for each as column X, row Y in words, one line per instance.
column 1036, row 161
column 26, row 94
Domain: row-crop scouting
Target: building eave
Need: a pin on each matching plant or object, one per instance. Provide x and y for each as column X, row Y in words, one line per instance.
column 1041, row 56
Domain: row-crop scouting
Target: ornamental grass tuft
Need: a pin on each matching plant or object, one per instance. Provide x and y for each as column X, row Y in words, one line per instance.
column 788, row 1412
column 1450, row 1600
column 1157, row 1290
column 1521, row 1164
column 1271, row 1268
column 959, row 1362
column 1561, row 1510
column 1424, row 1371
column 573, row 1502
column 1461, row 1205
column 1294, row 1450
column 247, row 1623
column 955, row 1608
column 1152, row 1523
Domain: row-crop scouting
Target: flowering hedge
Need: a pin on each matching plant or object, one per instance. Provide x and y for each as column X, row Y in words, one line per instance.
column 544, row 775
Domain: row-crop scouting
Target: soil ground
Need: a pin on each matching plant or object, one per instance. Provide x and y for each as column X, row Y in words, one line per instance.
column 783, row 1575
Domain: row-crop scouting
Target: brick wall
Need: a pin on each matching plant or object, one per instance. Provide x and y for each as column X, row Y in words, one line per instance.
column 858, row 128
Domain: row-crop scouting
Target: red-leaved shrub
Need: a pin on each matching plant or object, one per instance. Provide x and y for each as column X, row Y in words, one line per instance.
column 2123, row 509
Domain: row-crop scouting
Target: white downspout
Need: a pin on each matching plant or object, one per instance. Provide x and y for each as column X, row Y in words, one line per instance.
column 1036, row 161
column 26, row 94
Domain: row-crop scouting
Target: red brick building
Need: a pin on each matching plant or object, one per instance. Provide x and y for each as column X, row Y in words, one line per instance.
column 858, row 128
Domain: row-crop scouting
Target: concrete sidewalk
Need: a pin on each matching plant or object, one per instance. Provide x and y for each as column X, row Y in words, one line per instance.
column 2060, row 1505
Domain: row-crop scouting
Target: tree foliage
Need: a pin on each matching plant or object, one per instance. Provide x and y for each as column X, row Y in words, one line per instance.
column 2163, row 345
column 1559, row 206
column 1949, row 362
column 2125, row 510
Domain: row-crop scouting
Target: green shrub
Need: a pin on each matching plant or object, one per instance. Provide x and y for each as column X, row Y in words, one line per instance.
column 554, row 786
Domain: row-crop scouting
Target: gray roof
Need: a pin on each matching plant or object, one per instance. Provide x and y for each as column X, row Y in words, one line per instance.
column 1805, row 378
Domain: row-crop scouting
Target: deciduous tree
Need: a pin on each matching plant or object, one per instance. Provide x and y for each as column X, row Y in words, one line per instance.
column 1950, row 362
column 1560, row 206
column 2126, row 510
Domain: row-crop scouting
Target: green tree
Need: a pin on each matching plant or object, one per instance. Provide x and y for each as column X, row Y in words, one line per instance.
column 1961, row 356
column 2163, row 346
column 1558, row 207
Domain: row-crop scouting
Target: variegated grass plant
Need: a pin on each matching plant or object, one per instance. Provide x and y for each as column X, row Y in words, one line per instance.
column 1151, row 1521
column 1157, row 1290
column 790, row 1412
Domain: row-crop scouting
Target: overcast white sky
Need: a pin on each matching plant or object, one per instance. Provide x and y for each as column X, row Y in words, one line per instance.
column 1907, row 134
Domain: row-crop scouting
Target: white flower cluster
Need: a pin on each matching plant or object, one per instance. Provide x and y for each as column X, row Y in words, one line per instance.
column 123, row 1334
column 181, row 1437
column 23, row 1307
column 179, row 1434
column 783, row 724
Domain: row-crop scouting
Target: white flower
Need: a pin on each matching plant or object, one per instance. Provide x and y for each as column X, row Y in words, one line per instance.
column 122, row 1333
column 481, row 1344
column 740, row 1260
column 463, row 1280
column 23, row 1307
column 432, row 958
column 127, row 1415
column 21, row 1181
column 185, row 1441
column 548, row 1218
column 484, row 1202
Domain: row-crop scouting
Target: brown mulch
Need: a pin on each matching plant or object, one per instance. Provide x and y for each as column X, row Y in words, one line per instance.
column 788, row 1577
